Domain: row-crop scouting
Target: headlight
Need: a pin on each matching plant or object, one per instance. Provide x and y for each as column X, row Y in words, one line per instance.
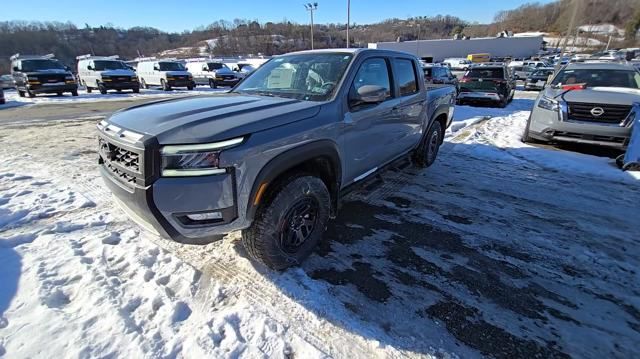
column 548, row 104
column 195, row 160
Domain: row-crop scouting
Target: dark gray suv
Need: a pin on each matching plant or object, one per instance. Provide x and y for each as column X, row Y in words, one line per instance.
column 273, row 157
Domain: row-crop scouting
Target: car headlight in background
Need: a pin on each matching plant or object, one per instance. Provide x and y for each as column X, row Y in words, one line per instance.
column 195, row 160
column 106, row 78
column 548, row 104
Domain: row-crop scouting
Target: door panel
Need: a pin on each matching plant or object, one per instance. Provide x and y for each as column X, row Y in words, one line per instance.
column 410, row 110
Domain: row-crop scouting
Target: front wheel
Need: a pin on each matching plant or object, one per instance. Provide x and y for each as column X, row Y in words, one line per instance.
column 290, row 224
column 428, row 149
column 74, row 93
column 20, row 93
column 165, row 86
column 136, row 89
column 212, row 84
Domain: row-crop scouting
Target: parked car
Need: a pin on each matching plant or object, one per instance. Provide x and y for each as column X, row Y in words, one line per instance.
column 6, row 82
column 164, row 73
column 106, row 73
column 243, row 70
column 487, row 84
column 437, row 74
column 538, row 78
column 41, row 74
column 272, row 157
column 586, row 103
column 2, row 100
column 212, row 73
column 457, row 64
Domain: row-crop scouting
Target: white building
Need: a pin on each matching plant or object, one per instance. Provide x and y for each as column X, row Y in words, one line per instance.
column 438, row 50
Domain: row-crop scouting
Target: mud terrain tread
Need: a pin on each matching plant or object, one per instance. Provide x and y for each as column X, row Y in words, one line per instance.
column 259, row 240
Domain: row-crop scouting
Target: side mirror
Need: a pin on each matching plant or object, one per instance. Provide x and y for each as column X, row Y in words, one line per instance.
column 368, row 94
column 156, row 68
column 89, row 67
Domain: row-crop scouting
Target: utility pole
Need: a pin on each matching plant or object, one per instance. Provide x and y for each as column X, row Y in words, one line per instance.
column 572, row 22
column 348, row 20
column 311, row 8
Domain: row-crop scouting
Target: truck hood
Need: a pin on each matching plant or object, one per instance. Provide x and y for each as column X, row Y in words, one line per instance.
column 121, row 72
column 203, row 119
column 178, row 73
column 224, row 71
column 609, row 95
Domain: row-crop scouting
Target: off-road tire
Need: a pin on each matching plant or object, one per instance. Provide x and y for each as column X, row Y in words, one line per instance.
column 263, row 239
column 428, row 150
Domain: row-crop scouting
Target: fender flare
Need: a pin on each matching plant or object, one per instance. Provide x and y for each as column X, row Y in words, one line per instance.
column 292, row 158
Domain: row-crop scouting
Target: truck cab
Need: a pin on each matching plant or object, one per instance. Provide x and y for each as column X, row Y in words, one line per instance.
column 104, row 73
column 41, row 74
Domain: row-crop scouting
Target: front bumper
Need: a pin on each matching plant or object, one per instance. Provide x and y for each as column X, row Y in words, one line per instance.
column 120, row 85
column 226, row 82
column 52, row 88
column 161, row 208
column 181, row 83
column 550, row 125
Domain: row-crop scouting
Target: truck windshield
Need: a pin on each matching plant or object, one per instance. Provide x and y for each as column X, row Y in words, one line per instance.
column 171, row 66
column 102, row 65
column 485, row 73
column 40, row 65
column 216, row 66
column 309, row 77
column 598, row 78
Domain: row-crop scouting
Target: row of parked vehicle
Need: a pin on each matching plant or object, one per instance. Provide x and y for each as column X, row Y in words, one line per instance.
column 32, row 75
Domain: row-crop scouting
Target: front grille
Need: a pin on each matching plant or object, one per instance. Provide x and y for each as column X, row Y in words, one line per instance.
column 119, row 78
column 119, row 156
column 50, row 78
column 610, row 113
column 120, row 174
column 228, row 77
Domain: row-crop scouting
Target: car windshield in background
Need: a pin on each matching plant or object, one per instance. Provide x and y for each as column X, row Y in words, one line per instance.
column 103, row 65
column 482, row 73
column 427, row 71
column 542, row 73
column 216, row 66
column 598, row 78
column 171, row 66
column 309, row 77
column 40, row 65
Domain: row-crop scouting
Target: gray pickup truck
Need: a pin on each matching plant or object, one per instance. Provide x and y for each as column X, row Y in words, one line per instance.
column 273, row 156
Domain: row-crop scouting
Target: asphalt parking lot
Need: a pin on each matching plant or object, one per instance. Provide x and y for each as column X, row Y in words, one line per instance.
column 488, row 252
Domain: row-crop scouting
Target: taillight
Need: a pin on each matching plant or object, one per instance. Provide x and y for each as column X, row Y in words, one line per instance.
column 574, row 87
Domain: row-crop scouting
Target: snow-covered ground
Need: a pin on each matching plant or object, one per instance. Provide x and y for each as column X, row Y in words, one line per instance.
column 499, row 249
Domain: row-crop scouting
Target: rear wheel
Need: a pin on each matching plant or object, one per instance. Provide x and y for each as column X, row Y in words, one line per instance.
column 290, row 224
column 428, row 149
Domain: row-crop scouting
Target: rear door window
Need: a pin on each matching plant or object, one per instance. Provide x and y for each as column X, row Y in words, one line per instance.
column 406, row 76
